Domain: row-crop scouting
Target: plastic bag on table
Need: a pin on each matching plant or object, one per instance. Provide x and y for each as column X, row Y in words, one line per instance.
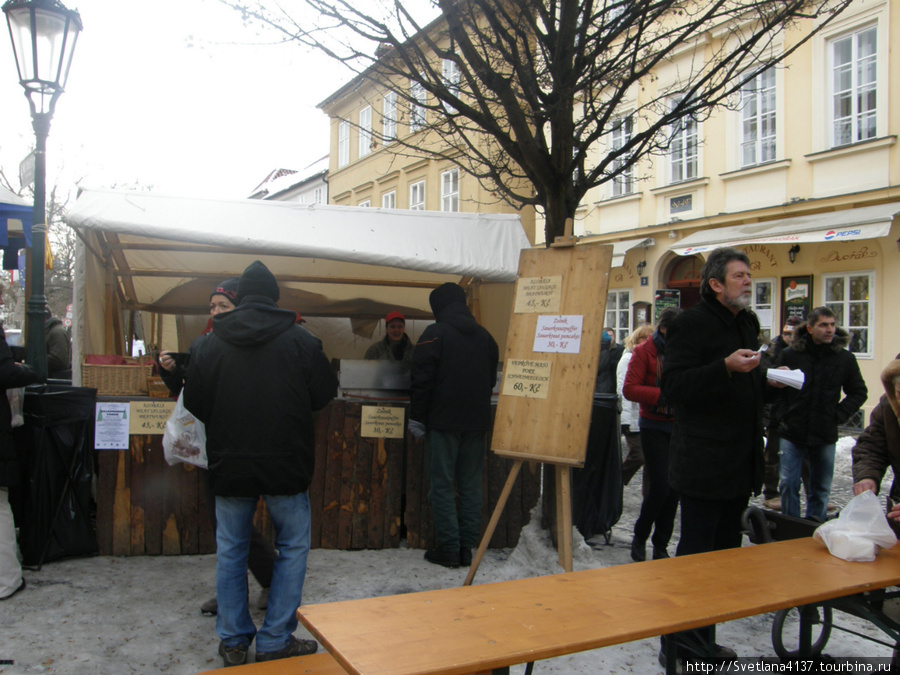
column 184, row 439
column 859, row 531
column 16, row 397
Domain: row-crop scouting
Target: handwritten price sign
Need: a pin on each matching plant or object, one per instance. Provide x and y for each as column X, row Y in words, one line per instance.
column 525, row 378
column 538, row 295
column 149, row 417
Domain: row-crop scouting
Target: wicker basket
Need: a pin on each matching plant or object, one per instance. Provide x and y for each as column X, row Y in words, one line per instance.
column 156, row 388
column 127, row 379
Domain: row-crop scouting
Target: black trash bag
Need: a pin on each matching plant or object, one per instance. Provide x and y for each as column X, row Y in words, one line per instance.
column 597, row 488
column 56, row 453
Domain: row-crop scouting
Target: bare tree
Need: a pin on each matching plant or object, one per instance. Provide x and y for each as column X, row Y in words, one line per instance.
column 525, row 94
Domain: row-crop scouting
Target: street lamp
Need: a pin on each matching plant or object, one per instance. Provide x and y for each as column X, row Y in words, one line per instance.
column 43, row 34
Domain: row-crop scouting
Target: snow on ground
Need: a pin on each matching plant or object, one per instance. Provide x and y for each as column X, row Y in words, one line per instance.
column 107, row 615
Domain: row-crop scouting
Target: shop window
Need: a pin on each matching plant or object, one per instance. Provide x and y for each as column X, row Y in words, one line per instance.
column 850, row 297
column 763, row 305
column 618, row 313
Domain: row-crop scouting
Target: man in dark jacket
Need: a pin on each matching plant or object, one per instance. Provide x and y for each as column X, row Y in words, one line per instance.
column 59, row 348
column 255, row 382
column 878, row 447
column 713, row 382
column 808, row 418
column 453, row 373
column 12, row 375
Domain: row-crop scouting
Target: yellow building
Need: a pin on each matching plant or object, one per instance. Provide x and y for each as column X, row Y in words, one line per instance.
column 802, row 172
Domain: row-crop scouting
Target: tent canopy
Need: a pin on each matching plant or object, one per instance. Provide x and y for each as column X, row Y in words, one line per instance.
column 165, row 254
column 868, row 222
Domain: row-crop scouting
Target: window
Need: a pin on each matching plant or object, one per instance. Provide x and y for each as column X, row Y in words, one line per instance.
column 343, row 143
column 364, row 204
column 450, row 190
column 417, row 196
column 450, row 74
column 854, row 89
column 623, row 183
column 758, row 119
column 849, row 296
column 365, row 131
column 416, row 106
column 389, row 117
column 683, row 150
column 319, row 195
column 618, row 313
column 763, row 304
column 389, row 200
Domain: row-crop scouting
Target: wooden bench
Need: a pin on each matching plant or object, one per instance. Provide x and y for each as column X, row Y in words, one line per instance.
column 322, row 663
column 480, row 629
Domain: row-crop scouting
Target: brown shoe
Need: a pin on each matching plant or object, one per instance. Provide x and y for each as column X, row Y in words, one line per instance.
column 294, row 647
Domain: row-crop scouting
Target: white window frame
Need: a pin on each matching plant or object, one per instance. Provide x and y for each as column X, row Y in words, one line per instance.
column 613, row 315
column 841, row 307
column 365, row 131
column 764, row 310
column 343, row 143
column 417, row 196
column 365, row 204
column 450, row 76
column 450, row 190
column 389, row 117
column 417, row 96
column 684, row 150
column 622, row 183
column 389, row 200
column 759, row 119
column 318, row 195
column 858, row 120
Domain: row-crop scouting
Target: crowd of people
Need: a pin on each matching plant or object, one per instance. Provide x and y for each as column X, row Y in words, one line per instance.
column 713, row 429
column 699, row 414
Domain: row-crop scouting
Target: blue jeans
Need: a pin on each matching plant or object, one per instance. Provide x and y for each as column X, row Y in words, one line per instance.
column 234, row 516
column 821, row 471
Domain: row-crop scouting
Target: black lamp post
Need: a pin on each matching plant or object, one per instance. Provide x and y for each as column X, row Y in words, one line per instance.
column 43, row 34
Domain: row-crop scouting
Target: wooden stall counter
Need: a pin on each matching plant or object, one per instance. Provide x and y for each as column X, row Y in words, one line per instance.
column 368, row 491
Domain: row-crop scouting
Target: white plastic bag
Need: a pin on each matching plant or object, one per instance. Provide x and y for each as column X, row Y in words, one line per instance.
column 859, row 531
column 16, row 397
column 184, row 439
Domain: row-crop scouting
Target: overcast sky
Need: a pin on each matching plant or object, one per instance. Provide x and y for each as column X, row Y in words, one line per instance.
column 174, row 94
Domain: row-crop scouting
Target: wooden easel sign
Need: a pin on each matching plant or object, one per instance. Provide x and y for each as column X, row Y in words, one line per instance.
column 549, row 371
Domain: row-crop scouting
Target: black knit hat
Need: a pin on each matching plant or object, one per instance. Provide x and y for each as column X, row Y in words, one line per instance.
column 444, row 295
column 257, row 280
column 228, row 288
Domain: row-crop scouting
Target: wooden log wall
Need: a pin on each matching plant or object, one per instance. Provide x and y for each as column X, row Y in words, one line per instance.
column 366, row 493
column 146, row 507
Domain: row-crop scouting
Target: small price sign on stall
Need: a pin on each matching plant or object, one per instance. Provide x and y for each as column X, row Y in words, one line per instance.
column 382, row 422
column 149, row 417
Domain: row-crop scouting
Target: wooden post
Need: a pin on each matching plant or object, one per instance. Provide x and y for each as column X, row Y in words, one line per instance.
column 492, row 525
column 564, row 516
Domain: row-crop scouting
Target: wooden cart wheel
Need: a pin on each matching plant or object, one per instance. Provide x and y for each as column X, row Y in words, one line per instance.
column 789, row 619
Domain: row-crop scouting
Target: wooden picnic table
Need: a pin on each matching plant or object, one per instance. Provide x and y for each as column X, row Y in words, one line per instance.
column 479, row 629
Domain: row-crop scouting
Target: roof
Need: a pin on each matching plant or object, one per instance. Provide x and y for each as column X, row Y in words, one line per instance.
column 167, row 252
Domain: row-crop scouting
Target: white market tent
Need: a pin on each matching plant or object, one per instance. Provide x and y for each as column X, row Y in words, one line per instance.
column 163, row 255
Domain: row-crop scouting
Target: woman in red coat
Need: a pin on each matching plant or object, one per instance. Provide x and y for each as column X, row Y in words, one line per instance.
column 656, row 422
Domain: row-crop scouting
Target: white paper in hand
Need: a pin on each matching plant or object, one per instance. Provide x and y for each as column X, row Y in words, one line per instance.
column 792, row 378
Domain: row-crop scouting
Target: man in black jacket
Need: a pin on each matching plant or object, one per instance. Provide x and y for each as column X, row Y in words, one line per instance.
column 808, row 418
column 713, row 382
column 454, row 371
column 255, row 382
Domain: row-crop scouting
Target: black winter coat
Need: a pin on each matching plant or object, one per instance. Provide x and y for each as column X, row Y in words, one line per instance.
column 811, row 415
column 716, row 451
column 454, row 370
column 255, row 382
column 12, row 375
